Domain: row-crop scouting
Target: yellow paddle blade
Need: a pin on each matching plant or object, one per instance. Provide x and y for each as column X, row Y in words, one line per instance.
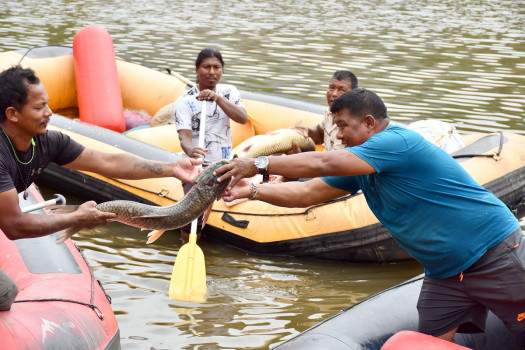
column 188, row 279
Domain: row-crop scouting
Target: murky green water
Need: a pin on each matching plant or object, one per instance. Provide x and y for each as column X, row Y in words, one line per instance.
column 459, row 61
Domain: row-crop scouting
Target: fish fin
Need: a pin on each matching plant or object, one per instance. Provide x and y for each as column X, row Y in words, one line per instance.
column 67, row 233
column 198, row 177
column 62, row 209
column 206, row 216
column 247, row 149
column 154, row 235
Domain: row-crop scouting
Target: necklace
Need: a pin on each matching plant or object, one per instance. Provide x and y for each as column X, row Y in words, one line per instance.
column 23, row 163
column 14, row 151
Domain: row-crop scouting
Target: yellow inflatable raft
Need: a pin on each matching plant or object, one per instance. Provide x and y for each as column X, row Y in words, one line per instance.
column 344, row 229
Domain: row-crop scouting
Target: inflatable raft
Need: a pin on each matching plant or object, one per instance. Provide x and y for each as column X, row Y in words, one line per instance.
column 60, row 304
column 344, row 229
column 370, row 323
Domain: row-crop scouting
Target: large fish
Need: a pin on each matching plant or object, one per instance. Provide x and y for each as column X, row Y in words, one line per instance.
column 159, row 219
column 274, row 142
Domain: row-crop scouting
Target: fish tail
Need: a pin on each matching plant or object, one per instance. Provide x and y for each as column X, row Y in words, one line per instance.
column 154, row 235
column 65, row 234
column 62, row 208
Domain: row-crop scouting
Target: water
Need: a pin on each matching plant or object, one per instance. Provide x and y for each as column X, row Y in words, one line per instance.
column 252, row 300
column 454, row 60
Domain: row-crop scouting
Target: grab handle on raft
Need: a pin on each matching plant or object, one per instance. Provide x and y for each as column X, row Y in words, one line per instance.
column 58, row 200
column 470, row 151
column 163, row 192
column 308, row 217
column 234, row 222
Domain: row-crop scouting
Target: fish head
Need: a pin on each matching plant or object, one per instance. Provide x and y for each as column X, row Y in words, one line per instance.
column 206, row 181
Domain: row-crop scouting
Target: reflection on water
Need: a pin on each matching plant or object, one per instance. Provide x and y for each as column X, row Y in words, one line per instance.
column 453, row 60
column 252, row 301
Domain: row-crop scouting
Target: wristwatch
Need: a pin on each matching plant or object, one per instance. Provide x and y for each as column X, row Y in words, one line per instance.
column 261, row 163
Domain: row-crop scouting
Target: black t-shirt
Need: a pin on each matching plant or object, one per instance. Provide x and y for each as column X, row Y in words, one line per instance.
column 53, row 146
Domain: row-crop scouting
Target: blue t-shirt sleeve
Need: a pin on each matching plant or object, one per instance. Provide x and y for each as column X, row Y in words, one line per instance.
column 383, row 150
column 380, row 152
column 346, row 183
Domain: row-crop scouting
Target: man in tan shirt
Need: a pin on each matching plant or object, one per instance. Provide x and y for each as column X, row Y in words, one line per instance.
column 326, row 131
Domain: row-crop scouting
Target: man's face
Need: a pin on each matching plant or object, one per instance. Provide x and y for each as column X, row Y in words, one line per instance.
column 34, row 116
column 335, row 89
column 209, row 73
column 351, row 130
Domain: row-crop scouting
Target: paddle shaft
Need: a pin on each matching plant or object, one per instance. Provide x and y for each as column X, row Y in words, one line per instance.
column 202, row 135
column 188, row 279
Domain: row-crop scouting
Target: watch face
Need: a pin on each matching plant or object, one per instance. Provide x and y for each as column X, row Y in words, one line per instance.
column 262, row 163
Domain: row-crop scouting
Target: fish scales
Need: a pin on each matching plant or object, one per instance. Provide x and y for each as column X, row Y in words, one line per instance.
column 190, row 207
column 159, row 219
column 280, row 141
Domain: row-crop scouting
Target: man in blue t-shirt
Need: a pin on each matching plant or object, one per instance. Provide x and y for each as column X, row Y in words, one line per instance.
column 461, row 233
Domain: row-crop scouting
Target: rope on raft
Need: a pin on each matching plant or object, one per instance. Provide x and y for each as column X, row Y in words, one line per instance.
column 91, row 305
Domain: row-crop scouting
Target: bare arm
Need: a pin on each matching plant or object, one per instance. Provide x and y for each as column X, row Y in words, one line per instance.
column 288, row 194
column 16, row 224
column 234, row 112
column 128, row 166
column 303, row 165
column 188, row 147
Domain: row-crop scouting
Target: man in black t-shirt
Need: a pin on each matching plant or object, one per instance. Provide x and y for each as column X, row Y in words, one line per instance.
column 27, row 147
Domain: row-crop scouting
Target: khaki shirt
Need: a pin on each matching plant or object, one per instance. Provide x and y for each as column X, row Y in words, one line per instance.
column 331, row 142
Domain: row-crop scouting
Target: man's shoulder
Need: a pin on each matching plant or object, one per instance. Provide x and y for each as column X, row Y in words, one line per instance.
column 226, row 88
column 192, row 93
column 186, row 98
column 397, row 129
column 327, row 118
column 393, row 137
column 51, row 136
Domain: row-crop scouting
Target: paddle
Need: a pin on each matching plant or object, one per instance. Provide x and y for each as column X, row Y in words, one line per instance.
column 188, row 278
column 180, row 77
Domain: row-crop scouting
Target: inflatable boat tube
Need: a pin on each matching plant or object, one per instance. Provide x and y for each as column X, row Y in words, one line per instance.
column 98, row 90
column 344, row 229
column 368, row 325
column 410, row 340
column 60, row 304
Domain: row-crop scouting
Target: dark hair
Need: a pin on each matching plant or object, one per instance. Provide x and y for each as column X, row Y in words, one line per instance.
column 208, row 53
column 346, row 75
column 13, row 88
column 360, row 102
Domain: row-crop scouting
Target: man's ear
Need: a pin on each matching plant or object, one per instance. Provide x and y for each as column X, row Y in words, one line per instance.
column 12, row 114
column 369, row 121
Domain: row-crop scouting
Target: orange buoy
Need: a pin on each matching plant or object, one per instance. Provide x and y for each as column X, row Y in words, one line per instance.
column 410, row 340
column 98, row 89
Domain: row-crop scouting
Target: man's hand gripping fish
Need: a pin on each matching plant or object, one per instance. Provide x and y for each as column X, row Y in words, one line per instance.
column 159, row 219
